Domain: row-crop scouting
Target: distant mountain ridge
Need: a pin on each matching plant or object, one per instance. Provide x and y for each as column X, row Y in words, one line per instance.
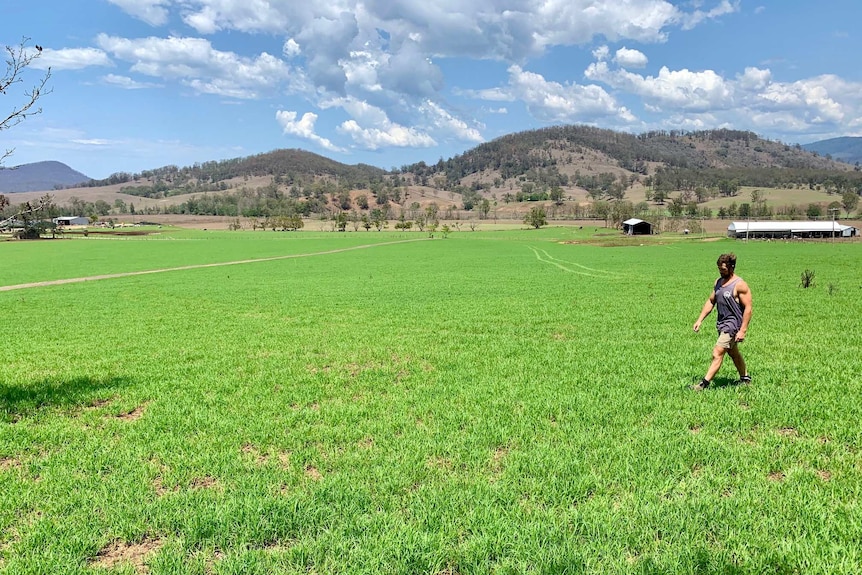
column 846, row 149
column 578, row 153
column 39, row 176
column 559, row 153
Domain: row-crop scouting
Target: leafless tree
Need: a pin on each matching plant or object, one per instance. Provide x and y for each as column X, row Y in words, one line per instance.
column 28, row 218
column 18, row 58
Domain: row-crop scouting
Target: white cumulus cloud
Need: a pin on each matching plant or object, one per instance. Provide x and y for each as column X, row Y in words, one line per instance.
column 304, row 128
column 446, row 123
column 371, row 128
column 725, row 7
column 196, row 63
column 71, row 59
column 153, row 12
column 560, row 103
column 628, row 58
column 386, row 135
column 291, row 48
column 126, row 82
column 752, row 98
column 383, row 63
column 701, row 90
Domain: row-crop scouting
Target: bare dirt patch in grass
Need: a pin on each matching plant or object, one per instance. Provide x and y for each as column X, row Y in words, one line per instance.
column 159, row 486
column 776, row 476
column 440, row 462
column 7, row 540
column 824, row 475
column 7, row 463
column 313, row 473
column 499, row 455
column 314, row 370
column 101, row 402
column 122, row 552
column 134, row 414
column 284, row 458
column 255, row 453
column 788, row 432
column 204, row 482
column 212, row 559
column 498, row 459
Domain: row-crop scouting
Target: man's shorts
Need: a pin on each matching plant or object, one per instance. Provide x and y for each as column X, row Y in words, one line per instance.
column 726, row 341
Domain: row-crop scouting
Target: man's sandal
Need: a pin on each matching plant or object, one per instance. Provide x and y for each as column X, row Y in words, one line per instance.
column 703, row 384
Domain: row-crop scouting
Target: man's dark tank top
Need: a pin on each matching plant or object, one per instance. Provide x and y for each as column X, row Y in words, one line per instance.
column 729, row 310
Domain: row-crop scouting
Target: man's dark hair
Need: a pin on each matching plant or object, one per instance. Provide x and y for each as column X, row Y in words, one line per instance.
column 729, row 259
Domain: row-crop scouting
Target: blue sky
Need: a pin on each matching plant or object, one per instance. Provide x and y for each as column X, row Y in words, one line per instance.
column 140, row 84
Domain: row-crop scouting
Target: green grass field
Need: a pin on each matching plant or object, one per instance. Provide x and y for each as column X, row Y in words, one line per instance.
column 493, row 402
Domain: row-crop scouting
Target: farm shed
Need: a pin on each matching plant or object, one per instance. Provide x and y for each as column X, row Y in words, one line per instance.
column 787, row 230
column 71, row 221
column 634, row 226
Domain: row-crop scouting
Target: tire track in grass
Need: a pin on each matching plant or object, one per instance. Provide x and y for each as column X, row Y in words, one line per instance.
column 198, row 266
column 547, row 258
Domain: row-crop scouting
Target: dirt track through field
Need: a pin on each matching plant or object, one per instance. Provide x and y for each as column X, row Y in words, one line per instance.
column 547, row 258
column 198, row 266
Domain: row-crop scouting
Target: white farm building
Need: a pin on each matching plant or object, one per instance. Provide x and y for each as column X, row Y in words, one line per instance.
column 634, row 226
column 72, row 221
column 791, row 229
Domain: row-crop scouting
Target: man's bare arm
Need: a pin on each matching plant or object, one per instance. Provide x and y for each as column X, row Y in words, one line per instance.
column 745, row 299
column 707, row 309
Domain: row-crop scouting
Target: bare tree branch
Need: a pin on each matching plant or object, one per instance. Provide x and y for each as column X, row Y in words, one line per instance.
column 30, row 209
column 18, row 58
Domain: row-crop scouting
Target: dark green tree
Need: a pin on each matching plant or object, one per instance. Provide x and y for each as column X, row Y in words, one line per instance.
column 378, row 219
column 849, row 201
column 341, row 221
column 536, row 217
column 557, row 195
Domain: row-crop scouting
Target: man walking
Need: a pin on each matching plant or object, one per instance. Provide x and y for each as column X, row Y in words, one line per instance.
column 733, row 299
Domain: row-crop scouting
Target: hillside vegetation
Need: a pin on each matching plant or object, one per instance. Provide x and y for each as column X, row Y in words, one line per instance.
column 572, row 171
column 287, row 165
column 847, row 149
column 39, row 176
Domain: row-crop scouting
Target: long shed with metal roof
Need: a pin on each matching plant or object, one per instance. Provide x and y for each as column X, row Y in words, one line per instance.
column 790, row 229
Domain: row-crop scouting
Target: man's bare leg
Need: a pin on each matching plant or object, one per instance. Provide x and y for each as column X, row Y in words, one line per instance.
column 738, row 361
column 717, row 358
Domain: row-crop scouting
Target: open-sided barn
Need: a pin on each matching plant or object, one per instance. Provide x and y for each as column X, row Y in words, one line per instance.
column 634, row 226
column 791, row 229
column 71, row 221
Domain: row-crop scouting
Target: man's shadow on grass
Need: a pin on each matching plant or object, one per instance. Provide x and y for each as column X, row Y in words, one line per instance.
column 17, row 401
column 721, row 383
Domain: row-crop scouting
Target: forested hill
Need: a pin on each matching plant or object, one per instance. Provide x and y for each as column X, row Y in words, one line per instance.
column 847, row 149
column 560, row 157
column 707, row 156
column 290, row 164
column 741, row 155
column 39, row 176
